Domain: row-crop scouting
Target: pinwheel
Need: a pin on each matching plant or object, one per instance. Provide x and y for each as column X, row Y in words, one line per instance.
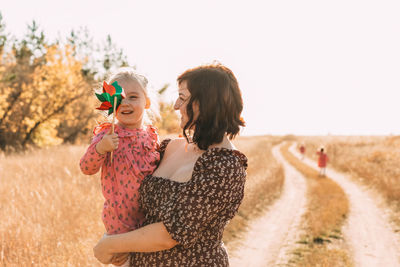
column 111, row 99
column 111, row 94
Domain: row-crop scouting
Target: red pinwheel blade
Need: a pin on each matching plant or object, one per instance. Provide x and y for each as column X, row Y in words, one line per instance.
column 108, row 88
column 105, row 106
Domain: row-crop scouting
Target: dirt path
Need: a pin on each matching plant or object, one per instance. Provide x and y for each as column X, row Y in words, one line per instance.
column 270, row 237
column 367, row 231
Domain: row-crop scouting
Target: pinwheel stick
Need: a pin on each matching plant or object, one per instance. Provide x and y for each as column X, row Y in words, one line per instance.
column 108, row 103
column 113, row 122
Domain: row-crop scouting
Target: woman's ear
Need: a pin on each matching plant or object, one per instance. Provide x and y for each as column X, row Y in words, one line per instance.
column 148, row 102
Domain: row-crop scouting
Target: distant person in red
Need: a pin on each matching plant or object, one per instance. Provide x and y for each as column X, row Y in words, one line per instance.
column 322, row 160
column 302, row 149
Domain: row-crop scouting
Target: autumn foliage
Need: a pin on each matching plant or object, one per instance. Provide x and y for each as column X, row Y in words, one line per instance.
column 47, row 88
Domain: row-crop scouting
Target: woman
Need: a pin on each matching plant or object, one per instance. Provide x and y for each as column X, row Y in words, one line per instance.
column 198, row 185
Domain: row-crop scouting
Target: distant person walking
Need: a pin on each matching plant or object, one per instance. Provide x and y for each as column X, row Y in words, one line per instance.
column 302, row 149
column 322, row 161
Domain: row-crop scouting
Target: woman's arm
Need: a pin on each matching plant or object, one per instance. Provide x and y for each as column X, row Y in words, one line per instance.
column 150, row 238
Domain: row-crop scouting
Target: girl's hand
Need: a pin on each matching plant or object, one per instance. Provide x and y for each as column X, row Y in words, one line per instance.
column 101, row 253
column 119, row 258
column 108, row 143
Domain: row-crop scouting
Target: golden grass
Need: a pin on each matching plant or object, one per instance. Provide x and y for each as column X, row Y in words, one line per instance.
column 373, row 161
column 327, row 208
column 51, row 213
column 324, row 257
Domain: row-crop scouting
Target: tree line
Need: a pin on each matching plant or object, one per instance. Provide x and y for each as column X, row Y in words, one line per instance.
column 46, row 87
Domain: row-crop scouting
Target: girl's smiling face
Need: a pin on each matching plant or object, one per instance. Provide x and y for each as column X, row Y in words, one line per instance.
column 131, row 111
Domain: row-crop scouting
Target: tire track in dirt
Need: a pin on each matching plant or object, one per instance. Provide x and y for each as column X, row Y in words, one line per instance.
column 367, row 231
column 270, row 238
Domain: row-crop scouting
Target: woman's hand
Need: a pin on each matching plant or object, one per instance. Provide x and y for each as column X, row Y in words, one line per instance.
column 119, row 258
column 101, row 252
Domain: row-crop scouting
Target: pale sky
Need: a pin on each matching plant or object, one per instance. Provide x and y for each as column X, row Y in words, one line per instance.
column 304, row 67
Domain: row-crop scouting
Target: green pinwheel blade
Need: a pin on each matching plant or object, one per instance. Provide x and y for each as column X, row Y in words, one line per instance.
column 118, row 102
column 100, row 97
column 117, row 95
column 104, row 97
column 110, row 98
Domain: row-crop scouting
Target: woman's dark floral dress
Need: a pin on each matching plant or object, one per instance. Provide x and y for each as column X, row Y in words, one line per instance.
column 196, row 212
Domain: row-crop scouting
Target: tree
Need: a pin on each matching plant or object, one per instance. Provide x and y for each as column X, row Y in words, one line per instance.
column 46, row 89
column 3, row 36
column 113, row 57
column 17, row 70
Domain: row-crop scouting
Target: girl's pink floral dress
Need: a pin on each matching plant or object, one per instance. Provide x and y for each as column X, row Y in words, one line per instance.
column 135, row 158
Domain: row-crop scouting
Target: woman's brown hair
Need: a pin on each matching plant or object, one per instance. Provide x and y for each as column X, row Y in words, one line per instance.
column 216, row 91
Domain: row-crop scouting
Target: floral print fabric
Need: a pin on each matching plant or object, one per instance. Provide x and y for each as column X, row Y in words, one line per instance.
column 196, row 212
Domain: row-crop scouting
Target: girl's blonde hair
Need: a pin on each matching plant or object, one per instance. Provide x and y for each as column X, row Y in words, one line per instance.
column 129, row 74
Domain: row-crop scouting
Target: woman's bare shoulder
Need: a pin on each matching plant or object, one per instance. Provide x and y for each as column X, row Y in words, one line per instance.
column 175, row 143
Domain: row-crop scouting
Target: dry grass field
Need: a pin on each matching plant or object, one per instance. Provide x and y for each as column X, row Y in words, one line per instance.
column 373, row 161
column 51, row 212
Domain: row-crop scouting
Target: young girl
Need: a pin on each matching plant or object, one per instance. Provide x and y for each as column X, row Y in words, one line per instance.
column 322, row 160
column 134, row 155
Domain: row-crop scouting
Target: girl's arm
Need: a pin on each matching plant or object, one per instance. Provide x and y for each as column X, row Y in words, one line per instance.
column 91, row 162
column 95, row 155
column 150, row 238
